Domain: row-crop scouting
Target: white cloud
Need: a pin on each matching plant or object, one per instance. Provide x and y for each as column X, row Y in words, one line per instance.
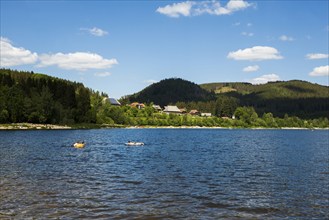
column 251, row 68
column 314, row 56
column 256, row 53
column 248, row 34
column 177, row 9
column 210, row 7
column 265, row 79
column 103, row 74
column 286, row 38
column 14, row 56
column 195, row 8
column 77, row 61
column 235, row 5
column 320, row 71
column 95, row 31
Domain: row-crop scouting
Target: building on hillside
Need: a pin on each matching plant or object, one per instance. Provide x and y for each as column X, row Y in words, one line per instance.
column 206, row 114
column 194, row 112
column 183, row 110
column 157, row 107
column 171, row 109
column 134, row 104
column 112, row 101
column 137, row 105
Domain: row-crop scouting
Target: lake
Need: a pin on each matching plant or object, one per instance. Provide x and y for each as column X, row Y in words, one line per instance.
column 178, row 174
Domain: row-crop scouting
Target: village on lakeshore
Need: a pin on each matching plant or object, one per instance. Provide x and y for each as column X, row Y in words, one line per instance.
column 168, row 109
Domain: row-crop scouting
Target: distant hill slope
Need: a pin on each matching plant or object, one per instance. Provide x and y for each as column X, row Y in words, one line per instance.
column 171, row 91
column 295, row 97
column 280, row 89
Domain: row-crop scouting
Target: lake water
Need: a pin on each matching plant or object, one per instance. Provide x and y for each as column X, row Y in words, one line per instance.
column 178, row 174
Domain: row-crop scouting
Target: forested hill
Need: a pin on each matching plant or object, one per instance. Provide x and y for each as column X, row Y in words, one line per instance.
column 171, row 91
column 38, row 98
column 295, row 97
column 290, row 89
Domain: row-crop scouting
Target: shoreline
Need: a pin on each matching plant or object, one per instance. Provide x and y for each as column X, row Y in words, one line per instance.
column 227, row 128
column 31, row 126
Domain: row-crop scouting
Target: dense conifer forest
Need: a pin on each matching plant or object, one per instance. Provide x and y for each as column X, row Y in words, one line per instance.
column 38, row 98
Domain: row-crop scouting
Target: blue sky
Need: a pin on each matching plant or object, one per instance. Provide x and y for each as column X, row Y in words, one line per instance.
column 120, row 47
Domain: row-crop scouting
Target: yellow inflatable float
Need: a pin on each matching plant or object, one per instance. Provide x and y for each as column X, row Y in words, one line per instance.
column 79, row 144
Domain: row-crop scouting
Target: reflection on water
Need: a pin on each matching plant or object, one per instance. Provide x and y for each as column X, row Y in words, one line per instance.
column 179, row 173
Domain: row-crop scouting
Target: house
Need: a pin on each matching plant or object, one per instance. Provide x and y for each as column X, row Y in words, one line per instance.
column 194, row 112
column 157, row 107
column 140, row 106
column 206, row 114
column 137, row 105
column 112, row 101
column 183, row 110
column 171, row 109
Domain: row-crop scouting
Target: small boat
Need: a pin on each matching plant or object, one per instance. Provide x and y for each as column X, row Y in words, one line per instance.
column 79, row 144
column 131, row 143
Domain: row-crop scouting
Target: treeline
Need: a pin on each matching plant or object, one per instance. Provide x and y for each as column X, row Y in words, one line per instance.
column 223, row 106
column 245, row 117
column 38, row 98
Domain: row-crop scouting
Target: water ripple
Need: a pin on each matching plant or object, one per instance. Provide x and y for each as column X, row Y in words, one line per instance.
column 179, row 174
